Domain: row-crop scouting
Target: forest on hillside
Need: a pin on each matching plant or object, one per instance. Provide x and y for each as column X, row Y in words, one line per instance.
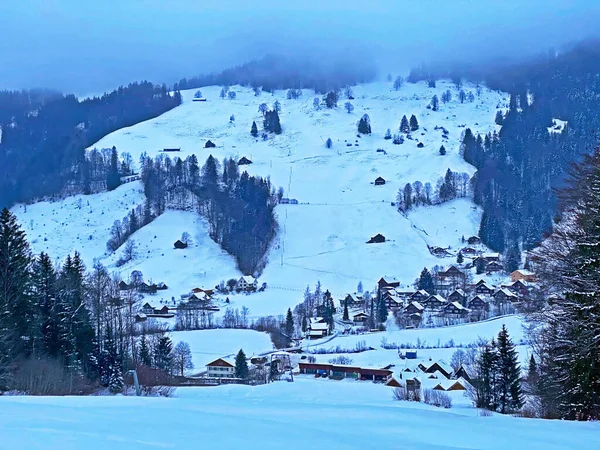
column 520, row 168
column 44, row 134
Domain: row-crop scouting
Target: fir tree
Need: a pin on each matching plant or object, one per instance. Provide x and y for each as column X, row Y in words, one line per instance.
column 304, row 324
column 364, row 124
column 414, row 123
column 404, row 125
column 388, row 134
column 289, row 324
column 241, row 366
column 382, row 311
column 16, row 309
column 425, row 281
column 328, row 143
column 499, row 118
column 459, row 258
column 163, row 354
column 113, row 179
column 145, row 356
column 254, row 129
column 435, row 103
column 532, row 376
column 345, row 316
column 442, row 150
column 508, row 382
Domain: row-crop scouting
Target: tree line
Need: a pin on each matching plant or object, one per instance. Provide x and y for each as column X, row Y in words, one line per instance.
column 45, row 134
column 452, row 185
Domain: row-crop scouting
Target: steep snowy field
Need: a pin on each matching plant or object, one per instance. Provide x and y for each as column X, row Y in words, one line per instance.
column 322, row 415
column 322, row 238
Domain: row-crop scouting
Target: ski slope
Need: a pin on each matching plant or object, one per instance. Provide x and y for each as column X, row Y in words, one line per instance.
column 316, row 415
column 321, row 238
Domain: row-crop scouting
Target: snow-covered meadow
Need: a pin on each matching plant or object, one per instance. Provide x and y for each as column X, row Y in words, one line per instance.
column 324, row 236
column 322, row 415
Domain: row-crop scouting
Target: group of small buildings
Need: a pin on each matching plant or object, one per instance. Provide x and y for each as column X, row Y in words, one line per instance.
column 436, row 375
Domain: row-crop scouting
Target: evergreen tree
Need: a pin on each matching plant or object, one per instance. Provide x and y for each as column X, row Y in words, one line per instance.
column 163, row 354
column 328, row 143
column 16, row 309
column 479, row 266
column 499, row 118
column 254, row 129
column 407, row 196
column 462, row 96
column 382, row 311
column 388, row 134
column 113, row 179
column 404, row 125
column 425, row 281
column 359, row 287
column 508, row 383
column 345, row 315
column 289, row 324
column 435, row 103
column 44, row 291
column 364, row 124
column 414, row 123
column 304, row 324
column 512, row 258
column 241, row 366
column 145, row 356
column 398, row 82
column 442, row 150
column 532, row 376
column 459, row 258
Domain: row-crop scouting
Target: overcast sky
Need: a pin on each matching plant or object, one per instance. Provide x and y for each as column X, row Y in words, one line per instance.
column 88, row 46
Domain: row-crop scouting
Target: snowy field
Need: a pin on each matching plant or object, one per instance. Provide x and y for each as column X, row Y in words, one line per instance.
column 327, row 415
column 322, row 238
column 208, row 345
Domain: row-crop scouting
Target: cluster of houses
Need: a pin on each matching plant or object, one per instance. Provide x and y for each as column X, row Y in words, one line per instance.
column 142, row 287
column 437, row 375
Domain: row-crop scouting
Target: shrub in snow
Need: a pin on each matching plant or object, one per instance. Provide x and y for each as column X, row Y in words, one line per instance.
column 345, row 360
column 437, row 398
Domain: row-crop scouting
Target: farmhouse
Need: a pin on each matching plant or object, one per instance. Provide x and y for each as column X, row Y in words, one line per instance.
column 474, row 240
column 352, row 300
column 478, row 303
column 377, row 239
column 440, row 252
column 522, row 275
column 124, row 286
column 199, row 298
column 246, row 283
column 414, row 308
column 147, row 308
column 468, row 251
column 420, row 296
column 179, row 244
column 438, row 366
column 379, row 181
column 360, row 318
column 244, row 161
column 459, row 296
column 391, row 300
column 493, row 267
column 483, row 288
column 434, row 302
column 455, row 309
column 504, row 295
column 317, row 328
column 387, row 281
column 220, row 368
column 519, row 287
column 452, row 278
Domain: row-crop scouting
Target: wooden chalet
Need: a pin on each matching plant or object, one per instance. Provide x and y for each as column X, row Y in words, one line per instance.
column 450, row 385
column 462, row 372
column 420, row 296
column 452, row 272
column 519, row 287
column 493, row 267
column 146, row 288
column 140, row 317
column 389, row 282
column 317, row 328
column 503, row 295
column 468, row 251
column 488, row 257
column 478, row 303
column 125, row 287
column 179, row 244
column 434, row 302
column 352, row 300
column 413, row 384
column 244, row 161
column 458, row 295
column 453, row 278
column 455, row 309
column 391, row 301
column 522, row 275
column 483, row 288
column 392, row 382
column 379, row 181
column 147, row 309
column 414, row 308
column 474, row 240
column 440, row 366
column 360, row 318
column 440, row 252
column 377, row 239
column 208, row 292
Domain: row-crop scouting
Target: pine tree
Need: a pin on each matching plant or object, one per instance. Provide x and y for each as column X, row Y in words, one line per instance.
column 425, row 281
column 532, row 376
column 414, row 123
column 382, row 311
column 499, row 118
column 16, row 309
column 345, row 315
column 459, row 258
column 442, row 150
column 404, row 125
column 241, row 366
column 328, row 143
column 435, row 103
column 508, row 383
column 163, row 354
column 44, row 291
column 145, row 356
column 113, row 179
column 289, row 324
column 304, row 324
column 364, row 124
column 512, row 258
column 254, row 129
column 388, row 134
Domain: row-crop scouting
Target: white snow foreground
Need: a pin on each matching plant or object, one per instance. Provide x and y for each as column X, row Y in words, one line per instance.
column 303, row 414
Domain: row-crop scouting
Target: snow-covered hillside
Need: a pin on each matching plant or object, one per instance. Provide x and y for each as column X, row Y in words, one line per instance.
column 309, row 414
column 321, row 238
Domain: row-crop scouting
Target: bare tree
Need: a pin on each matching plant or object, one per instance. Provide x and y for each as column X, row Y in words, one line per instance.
column 182, row 357
column 186, row 238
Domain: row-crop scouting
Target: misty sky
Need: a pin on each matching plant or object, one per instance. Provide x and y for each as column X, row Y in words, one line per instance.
column 88, row 46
